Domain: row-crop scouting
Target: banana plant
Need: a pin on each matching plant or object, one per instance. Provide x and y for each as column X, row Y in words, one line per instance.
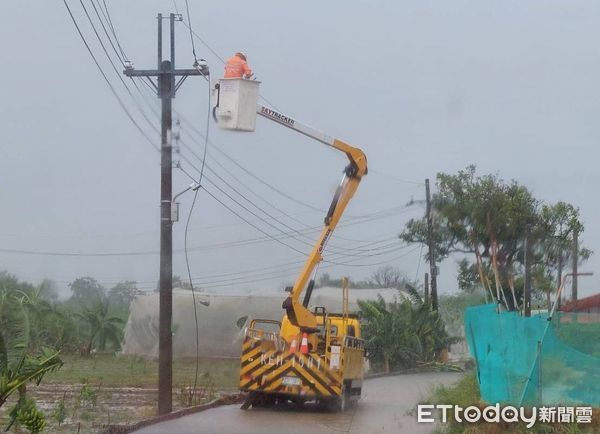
column 403, row 334
column 18, row 366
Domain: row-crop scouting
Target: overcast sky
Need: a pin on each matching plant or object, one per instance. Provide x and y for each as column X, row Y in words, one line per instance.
column 421, row 86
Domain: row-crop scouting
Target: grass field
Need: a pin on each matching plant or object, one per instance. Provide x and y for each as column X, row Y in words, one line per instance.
column 108, row 370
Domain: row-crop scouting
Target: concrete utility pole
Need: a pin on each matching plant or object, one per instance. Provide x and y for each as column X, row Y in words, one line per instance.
column 426, row 290
column 166, row 87
column 527, row 283
column 575, row 261
column 431, row 254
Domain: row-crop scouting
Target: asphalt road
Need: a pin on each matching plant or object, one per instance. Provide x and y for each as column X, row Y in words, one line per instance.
column 384, row 408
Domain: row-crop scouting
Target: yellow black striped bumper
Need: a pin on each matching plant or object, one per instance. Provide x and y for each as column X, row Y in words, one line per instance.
column 268, row 370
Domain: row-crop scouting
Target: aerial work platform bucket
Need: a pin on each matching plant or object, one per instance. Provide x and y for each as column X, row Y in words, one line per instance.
column 236, row 104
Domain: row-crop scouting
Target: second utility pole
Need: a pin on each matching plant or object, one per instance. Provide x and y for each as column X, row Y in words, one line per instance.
column 431, row 253
column 166, row 87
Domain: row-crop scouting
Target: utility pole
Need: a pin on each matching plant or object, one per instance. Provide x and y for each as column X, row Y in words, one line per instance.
column 560, row 275
column 527, row 283
column 426, row 288
column 431, row 255
column 575, row 261
column 166, row 88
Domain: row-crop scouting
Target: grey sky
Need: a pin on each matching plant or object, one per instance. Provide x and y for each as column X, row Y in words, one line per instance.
column 421, row 86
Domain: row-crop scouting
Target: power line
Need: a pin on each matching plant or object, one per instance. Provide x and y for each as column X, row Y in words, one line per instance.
column 112, row 63
column 244, row 207
column 419, row 263
column 225, row 284
column 250, row 276
column 258, row 196
column 251, row 174
column 228, row 244
column 279, row 266
column 256, row 177
column 187, row 8
column 121, row 59
column 266, row 222
column 187, row 225
column 311, row 228
column 252, row 224
column 292, row 229
column 269, row 235
column 249, row 201
column 112, row 28
column 229, row 283
column 387, row 261
column 261, row 271
column 112, row 89
column 309, row 243
column 202, row 40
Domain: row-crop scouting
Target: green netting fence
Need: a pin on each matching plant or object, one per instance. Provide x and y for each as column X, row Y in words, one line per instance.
column 534, row 361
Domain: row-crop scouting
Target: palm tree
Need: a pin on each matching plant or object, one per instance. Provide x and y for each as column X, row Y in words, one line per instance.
column 102, row 327
column 18, row 366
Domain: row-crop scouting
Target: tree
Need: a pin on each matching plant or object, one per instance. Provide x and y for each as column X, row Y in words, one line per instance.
column 48, row 290
column 553, row 240
column 486, row 217
column 388, row 277
column 10, row 283
column 86, row 291
column 102, row 328
column 177, row 282
column 383, row 277
column 123, row 292
column 468, row 276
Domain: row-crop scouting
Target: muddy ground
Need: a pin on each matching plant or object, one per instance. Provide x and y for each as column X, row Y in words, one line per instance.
column 89, row 408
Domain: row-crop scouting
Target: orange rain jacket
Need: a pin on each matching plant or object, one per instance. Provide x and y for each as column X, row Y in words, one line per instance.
column 236, row 67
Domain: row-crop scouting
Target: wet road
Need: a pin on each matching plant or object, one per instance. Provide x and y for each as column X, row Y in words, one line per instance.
column 383, row 409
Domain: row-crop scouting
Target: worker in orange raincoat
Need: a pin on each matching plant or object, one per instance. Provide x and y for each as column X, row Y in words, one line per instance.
column 237, row 67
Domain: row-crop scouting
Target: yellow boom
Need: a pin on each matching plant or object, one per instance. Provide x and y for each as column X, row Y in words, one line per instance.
column 299, row 315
